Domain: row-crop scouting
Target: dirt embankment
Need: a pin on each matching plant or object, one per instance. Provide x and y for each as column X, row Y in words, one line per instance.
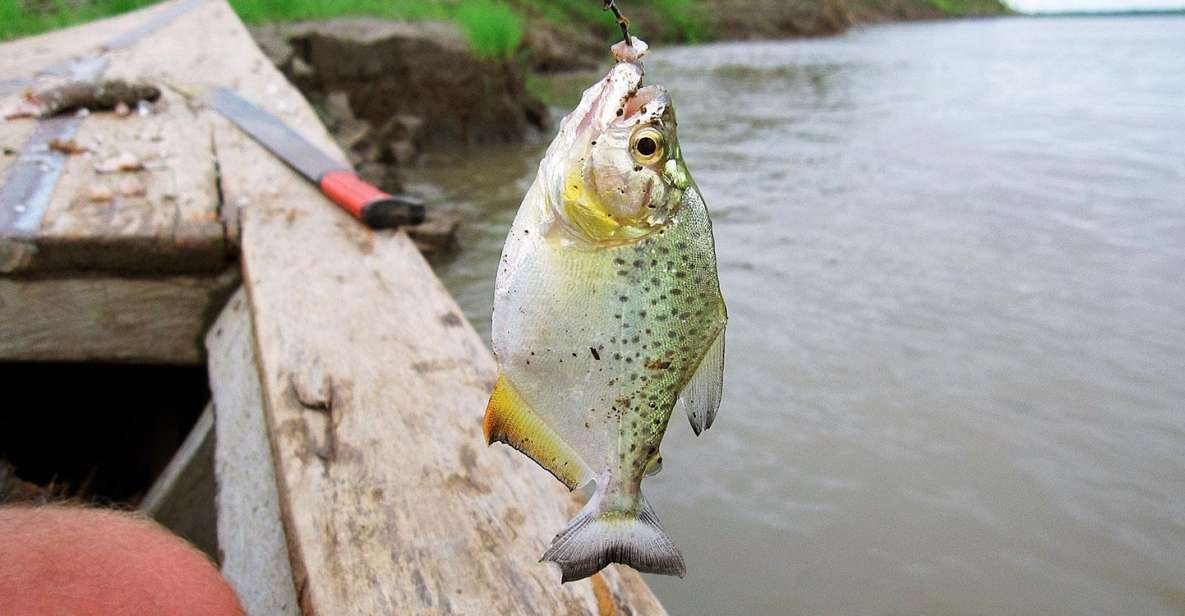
column 391, row 90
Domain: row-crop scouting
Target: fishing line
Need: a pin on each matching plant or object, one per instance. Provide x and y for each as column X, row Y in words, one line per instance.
column 611, row 5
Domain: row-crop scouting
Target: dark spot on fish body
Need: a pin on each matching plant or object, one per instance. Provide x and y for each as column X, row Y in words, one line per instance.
column 595, row 354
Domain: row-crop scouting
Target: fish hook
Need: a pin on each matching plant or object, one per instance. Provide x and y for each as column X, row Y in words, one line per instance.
column 611, row 5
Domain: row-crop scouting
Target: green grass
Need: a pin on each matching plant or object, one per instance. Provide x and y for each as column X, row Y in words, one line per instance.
column 259, row 11
column 493, row 28
column 17, row 21
column 684, row 17
column 961, row 8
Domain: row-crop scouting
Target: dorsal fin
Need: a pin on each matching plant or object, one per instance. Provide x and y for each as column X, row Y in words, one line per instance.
column 509, row 419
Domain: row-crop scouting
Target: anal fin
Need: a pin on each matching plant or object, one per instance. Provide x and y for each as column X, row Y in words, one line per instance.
column 701, row 396
column 509, row 419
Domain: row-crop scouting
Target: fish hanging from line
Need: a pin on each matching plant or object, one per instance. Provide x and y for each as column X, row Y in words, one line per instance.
column 607, row 312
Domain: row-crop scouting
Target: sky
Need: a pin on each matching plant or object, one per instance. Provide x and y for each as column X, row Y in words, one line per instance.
column 1044, row 6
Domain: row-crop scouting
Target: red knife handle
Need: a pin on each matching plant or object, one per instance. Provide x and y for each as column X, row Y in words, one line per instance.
column 369, row 204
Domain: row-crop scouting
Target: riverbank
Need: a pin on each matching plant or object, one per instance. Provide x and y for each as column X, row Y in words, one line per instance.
column 504, row 28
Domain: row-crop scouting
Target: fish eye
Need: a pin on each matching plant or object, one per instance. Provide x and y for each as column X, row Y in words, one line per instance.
column 647, row 146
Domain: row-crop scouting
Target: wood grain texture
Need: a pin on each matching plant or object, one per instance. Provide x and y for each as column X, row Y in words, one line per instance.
column 174, row 226
column 25, row 57
column 250, row 533
column 98, row 317
column 182, row 497
column 374, row 388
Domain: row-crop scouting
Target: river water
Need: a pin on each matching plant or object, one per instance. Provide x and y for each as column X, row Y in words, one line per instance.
column 954, row 260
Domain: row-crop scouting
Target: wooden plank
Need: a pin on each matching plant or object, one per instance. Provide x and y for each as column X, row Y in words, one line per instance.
column 99, row 317
column 25, row 57
column 182, row 498
column 254, row 548
column 373, row 387
column 174, row 226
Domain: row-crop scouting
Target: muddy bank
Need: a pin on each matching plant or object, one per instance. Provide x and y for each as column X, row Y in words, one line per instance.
column 390, row 92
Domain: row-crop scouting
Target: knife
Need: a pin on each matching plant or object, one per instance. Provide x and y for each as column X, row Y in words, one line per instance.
column 341, row 185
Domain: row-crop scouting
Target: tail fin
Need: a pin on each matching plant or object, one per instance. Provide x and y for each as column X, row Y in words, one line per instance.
column 600, row 535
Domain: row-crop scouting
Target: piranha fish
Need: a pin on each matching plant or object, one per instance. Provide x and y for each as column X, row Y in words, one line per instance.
column 607, row 312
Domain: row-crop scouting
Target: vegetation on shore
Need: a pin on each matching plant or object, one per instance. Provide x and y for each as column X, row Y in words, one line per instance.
column 495, row 28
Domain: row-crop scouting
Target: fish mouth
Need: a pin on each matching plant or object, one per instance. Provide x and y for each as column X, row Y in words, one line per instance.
column 611, row 100
column 602, row 104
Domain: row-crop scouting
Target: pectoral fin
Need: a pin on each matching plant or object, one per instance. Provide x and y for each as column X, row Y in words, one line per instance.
column 509, row 419
column 701, row 395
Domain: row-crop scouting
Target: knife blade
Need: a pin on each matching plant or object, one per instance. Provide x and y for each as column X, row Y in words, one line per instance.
column 336, row 180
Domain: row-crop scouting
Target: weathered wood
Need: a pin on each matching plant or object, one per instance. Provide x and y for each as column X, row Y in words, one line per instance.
column 373, row 387
column 250, row 533
column 98, row 317
column 27, row 56
column 133, row 278
column 182, row 498
column 163, row 218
